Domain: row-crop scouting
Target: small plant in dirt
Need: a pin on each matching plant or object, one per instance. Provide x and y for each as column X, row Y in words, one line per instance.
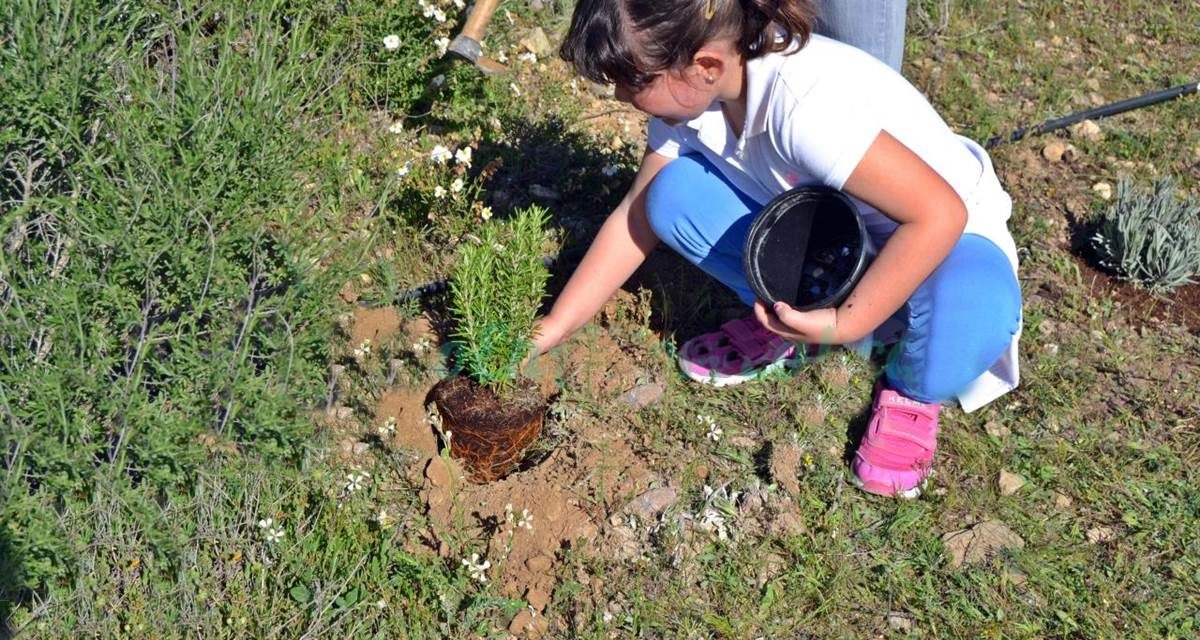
column 491, row 413
column 1151, row 238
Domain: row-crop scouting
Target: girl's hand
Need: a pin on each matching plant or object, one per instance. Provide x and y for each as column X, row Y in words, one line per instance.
column 818, row 326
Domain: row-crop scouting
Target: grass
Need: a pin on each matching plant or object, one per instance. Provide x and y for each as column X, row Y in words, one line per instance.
column 188, row 202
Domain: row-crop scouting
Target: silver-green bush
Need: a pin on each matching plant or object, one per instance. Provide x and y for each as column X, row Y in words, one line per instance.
column 1151, row 238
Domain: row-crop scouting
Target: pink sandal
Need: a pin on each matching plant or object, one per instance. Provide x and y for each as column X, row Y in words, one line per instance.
column 741, row 350
column 896, row 454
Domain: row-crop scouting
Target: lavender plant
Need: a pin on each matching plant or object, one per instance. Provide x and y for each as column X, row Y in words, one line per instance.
column 498, row 285
column 1151, row 238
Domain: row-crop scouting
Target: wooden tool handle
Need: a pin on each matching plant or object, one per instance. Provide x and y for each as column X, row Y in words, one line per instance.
column 478, row 21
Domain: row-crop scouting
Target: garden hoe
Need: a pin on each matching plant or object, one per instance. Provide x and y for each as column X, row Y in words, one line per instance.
column 468, row 44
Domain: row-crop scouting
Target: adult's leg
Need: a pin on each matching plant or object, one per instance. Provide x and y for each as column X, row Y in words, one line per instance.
column 698, row 213
column 960, row 321
column 875, row 26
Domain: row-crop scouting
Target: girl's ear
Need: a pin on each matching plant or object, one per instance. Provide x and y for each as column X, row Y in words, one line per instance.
column 707, row 67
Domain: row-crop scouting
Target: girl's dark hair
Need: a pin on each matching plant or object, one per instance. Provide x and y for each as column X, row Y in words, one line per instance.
column 628, row 42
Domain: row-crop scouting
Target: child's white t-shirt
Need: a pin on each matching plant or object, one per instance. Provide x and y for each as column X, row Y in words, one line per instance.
column 810, row 118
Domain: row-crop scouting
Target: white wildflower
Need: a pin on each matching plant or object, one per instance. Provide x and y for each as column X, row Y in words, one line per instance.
column 478, row 570
column 439, row 15
column 607, row 617
column 463, row 156
column 512, row 86
column 456, row 186
column 440, row 154
column 421, row 346
column 363, row 349
column 388, row 428
column 427, row 9
column 442, row 43
column 391, row 42
column 273, row 535
column 610, row 170
column 485, row 213
column 714, row 432
column 356, row 480
column 501, row 57
column 403, row 170
column 439, row 192
column 526, row 520
column 528, row 56
column 397, row 127
column 266, row 523
column 460, row 5
column 508, row 512
column 383, row 519
column 381, row 604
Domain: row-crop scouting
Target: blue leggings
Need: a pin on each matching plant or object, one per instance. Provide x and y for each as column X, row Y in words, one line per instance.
column 957, row 323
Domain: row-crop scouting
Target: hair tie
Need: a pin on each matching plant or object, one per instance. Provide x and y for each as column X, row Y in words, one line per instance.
column 709, row 10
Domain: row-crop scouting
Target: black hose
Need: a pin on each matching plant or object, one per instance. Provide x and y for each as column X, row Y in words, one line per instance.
column 1105, row 111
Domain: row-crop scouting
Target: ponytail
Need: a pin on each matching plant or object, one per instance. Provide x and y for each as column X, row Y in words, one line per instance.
column 772, row 25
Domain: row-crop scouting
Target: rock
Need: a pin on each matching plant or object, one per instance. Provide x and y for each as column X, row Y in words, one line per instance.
column 1096, row 535
column 536, row 42
column 785, row 463
column 543, row 193
column 652, row 503
column 978, row 543
column 899, row 621
column 1059, row 151
column 1103, row 189
column 742, row 442
column 997, row 430
column 623, row 543
column 1062, row 500
column 1087, row 130
column 437, row 472
column 642, row 395
column 1009, row 483
column 538, row 564
column 787, row 523
column 522, row 622
column 359, row 449
column 600, row 90
column 537, row 598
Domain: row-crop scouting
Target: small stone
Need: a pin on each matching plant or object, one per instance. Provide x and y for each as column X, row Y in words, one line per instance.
column 652, row 503
column 536, row 42
column 1062, row 500
column 899, row 622
column 537, row 598
column 1103, row 189
column 643, row 395
column 340, row 413
column 522, row 622
column 742, row 442
column 1087, row 130
column 979, row 542
column 997, row 430
column 538, row 564
column 1050, row 349
column 1009, row 483
column 543, row 193
column 1059, row 151
column 360, row 448
column 1096, row 535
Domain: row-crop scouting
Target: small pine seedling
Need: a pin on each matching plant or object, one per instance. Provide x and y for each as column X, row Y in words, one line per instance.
column 1151, row 239
column 497, row 288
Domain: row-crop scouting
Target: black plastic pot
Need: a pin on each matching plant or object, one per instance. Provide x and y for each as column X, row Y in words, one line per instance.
column 808, row 247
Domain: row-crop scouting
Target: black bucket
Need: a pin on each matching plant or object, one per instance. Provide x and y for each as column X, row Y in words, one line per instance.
column 808, row 247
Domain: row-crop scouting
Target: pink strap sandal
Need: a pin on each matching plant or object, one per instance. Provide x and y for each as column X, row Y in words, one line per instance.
column 896, row 454
column 741, row 350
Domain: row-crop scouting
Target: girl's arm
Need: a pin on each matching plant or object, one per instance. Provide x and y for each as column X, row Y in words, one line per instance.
column 894, row 180
column 622, row 244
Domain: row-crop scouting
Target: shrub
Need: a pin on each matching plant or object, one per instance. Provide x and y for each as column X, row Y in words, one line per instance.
column 1151, row 239
column 498, row 285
